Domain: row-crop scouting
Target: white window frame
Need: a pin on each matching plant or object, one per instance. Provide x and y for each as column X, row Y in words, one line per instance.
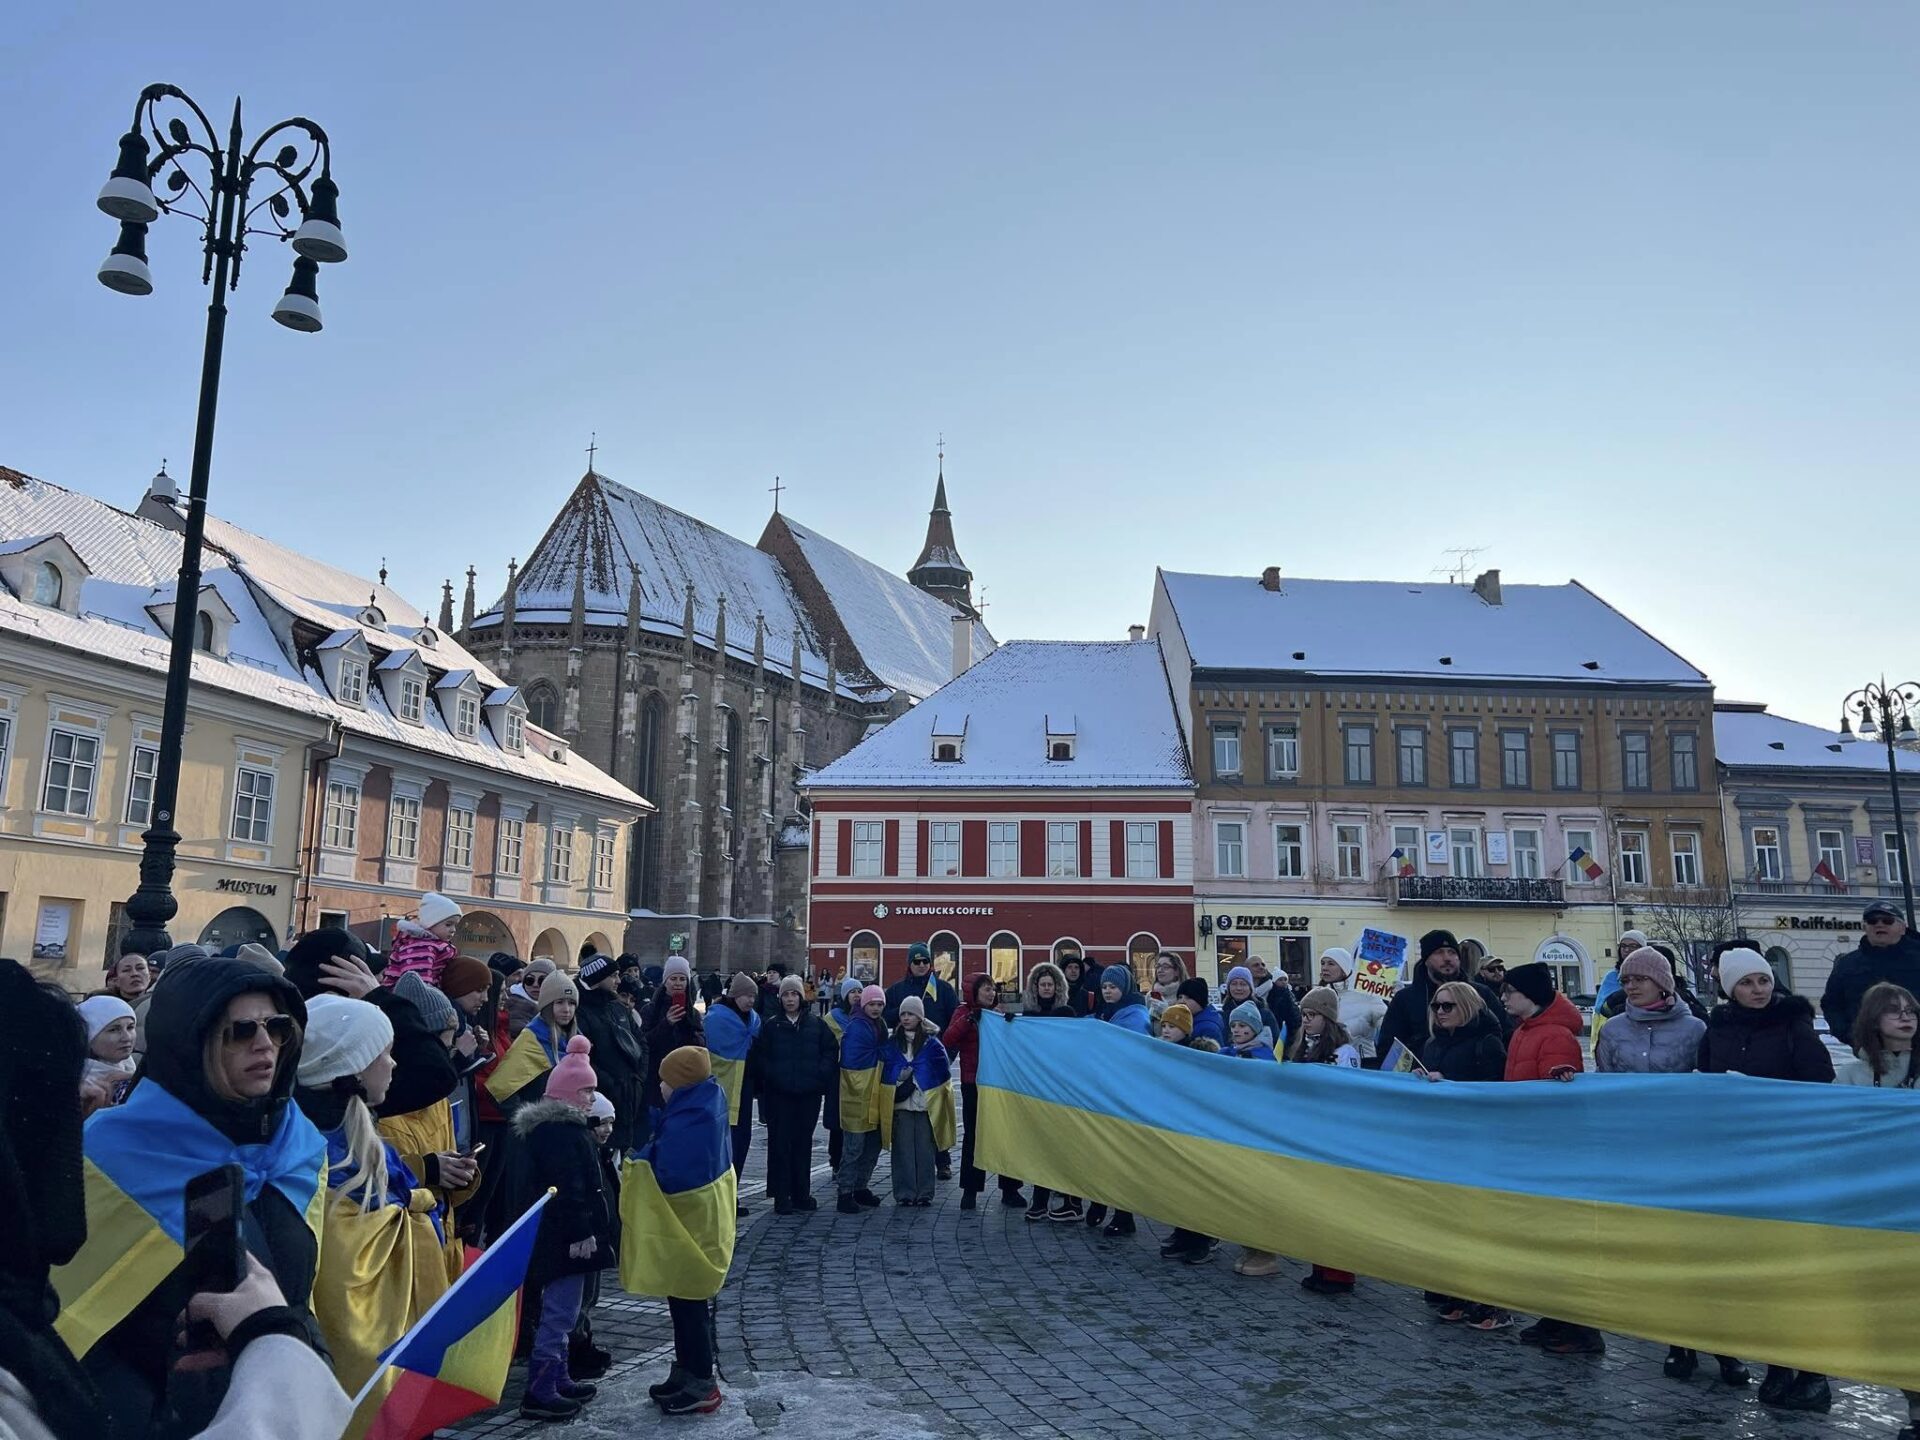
column 1403, row 752
column 1768, row 856
column 1691, row 750
column 1283, row 752
column 135, row 774
column 1349, row 752
column 353, row 682
column 1226, row 749
column 1835, row 854
column 340, row 825
column 1629, row 756
column 458, row 849
column 466, row 717
column 1143, row 849
column 510, row 846
column 413, row 699
column 603, row 861
column 1230, row 849
column 6, row 755
column 1523, row 753
column 1289, row 850
column 1063, row 849
column 516, row 731
column 90, row 768
column 1412, row 841
column 869, row 848
column 403, row 828
column 251, row 822
column 1470, row 751
column 1581, row 840
column 1890, row 849
column 943, row 848
column 1003, row 849
column 1349, row 850
column 1632, row 858
column 1685, row 845
column 1571, row 756
column 1464, row 853
column 1524, row 841
column 560, row 854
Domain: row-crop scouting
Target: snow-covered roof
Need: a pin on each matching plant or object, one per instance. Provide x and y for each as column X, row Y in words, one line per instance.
column 1745, row 736
column 131, row 557
column 904, row 635
column 1554, row 633
column 1129, row 735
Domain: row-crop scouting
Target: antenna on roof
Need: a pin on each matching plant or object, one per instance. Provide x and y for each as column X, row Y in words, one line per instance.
column 1462, row 566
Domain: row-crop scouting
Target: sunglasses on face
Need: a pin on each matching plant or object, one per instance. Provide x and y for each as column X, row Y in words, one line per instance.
column 1444, row 1007
column 279, row 1030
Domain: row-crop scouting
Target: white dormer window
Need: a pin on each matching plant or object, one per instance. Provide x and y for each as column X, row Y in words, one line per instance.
column 45, row 570
column 466, row 717
column 949, row 739
column 427, row 636
column 212, row 620
column 373, row 618
column 413, row 699
column 203, row 632
column 516, row 731
column 507, row 713
column 946, row 750
column 353, row 682
column 344, row 661
column 460, row 693
column 49, row 585
column 403, row 680
column 1062, row 737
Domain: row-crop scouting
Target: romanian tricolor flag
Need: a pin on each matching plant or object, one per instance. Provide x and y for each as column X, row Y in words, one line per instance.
column 1585, row 863
column 1403, row 865
column 1779, row 1223
column 730, row 1036
column 529, row 1057
column 453, row 1362
column 139, row 1158
column 677, row 1199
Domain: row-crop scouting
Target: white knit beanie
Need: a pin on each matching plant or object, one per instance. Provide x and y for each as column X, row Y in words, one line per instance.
column 100, row 1011
column 434, row 908
column 343, row 1037
column 1736, row 965
column 1340, row 956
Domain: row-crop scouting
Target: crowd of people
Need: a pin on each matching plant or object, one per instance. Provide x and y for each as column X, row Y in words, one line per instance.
column 393, row 1113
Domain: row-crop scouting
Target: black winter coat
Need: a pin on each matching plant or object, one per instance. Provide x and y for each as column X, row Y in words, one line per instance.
column 556, row 1149
column 664, row 1036
column 1858, row 971
column 1475, row 1051
column 1410, row 1022
column 792, row 1057
column 940, row 1005
column 1777, row 1043
column 619, row 1063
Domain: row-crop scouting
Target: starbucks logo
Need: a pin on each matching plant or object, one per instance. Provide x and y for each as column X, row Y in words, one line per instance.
column 880, row 912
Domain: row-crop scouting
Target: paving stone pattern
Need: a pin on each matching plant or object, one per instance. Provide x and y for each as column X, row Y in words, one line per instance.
column 907, row 1324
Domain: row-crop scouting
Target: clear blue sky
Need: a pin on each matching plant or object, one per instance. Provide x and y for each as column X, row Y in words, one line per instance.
column 1624, row 292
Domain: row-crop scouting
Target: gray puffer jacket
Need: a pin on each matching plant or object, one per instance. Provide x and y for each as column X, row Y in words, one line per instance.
column 1650, row 1042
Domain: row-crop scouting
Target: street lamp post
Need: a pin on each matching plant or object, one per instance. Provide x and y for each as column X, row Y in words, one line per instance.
column 295, row 176
column 1886, row 712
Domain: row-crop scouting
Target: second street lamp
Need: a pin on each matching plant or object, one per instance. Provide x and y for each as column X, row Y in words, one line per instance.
column 1886, row 712
column 247, row 192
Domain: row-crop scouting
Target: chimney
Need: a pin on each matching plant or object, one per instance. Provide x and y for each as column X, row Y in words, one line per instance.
column 1270, row 579
column 1487, row 586
column 1136, row 633
column 962, row 643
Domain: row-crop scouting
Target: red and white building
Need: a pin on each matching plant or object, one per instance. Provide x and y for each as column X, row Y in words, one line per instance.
column 1038, row 804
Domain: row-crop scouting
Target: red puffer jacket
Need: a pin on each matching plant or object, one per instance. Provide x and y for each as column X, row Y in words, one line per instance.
column 962, row 1041
column 1546, row 1042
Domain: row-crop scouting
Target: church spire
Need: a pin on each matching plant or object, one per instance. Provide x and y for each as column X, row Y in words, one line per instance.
column 466, row 603
column 446, row 607
column 940, row 571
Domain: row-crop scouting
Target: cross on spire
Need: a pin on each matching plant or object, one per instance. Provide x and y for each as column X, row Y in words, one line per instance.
column 940, row 455
column 593, row 446
column 776, row 488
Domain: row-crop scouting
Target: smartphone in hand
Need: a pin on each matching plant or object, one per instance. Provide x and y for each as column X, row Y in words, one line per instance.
column 216, row 1255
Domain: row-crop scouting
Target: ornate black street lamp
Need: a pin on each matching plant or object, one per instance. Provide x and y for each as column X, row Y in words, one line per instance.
column 1886, row 713
column 255, row 191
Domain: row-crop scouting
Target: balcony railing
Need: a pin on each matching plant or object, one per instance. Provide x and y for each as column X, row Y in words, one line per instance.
column 1484, row 890
column 1817, row 889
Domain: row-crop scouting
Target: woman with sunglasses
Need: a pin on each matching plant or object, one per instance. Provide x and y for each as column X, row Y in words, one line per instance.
column 1466, row 1044
column 223, row 1045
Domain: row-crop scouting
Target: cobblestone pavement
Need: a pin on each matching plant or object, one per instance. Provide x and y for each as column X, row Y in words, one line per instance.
column 913, row 1325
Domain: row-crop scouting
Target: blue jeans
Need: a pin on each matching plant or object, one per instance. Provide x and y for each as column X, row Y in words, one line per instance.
column 559, row 1308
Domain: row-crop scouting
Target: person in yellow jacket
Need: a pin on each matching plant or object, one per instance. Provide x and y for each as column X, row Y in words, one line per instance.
column 425, row 1138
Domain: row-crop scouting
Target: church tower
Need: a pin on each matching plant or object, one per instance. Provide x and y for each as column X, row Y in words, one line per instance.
column 940, row 571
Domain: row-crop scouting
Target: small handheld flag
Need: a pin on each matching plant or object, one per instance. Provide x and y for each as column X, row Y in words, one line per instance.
column 1585, row 863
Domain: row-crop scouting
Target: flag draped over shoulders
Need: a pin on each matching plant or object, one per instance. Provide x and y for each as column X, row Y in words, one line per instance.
column 730, row 1037
column 529, row 1058
column 677, row 1198
column 861, row 1109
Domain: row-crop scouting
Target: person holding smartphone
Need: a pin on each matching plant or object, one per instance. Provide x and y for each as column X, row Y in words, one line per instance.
column 670, row 1022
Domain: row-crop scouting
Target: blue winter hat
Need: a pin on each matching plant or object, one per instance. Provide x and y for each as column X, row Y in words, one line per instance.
column 1246, row 1013
column 849, row 986
column 1240, row 972
column 1118, row 976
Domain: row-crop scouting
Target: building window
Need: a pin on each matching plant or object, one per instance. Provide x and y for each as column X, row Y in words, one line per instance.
column 353, row 682
column 1003, row 848
column 1686, row 859
column 1636, row 761
column 459, row 854
column 1290, row 852
column 946, row 750
column 1686, row 760
column 403, row 828
column 510, row 848
column 1358, row 745
column 1766, row 853
column 1566, row 759
column 1226, row 752
column 144, row 766
column 516, row 731
column 466, row 717
column 603, row 861
column 49, row 585
column 1143, row 850
column 1580, row 841
column 1890, row 847
column 72, row 761
column 560, row 854
column 340, row 828
column 731, row 759
column 1063, row 848
column 1463, row 758
column 869, row 840
column 1516, row 759
column 543, row 705
column 1229, row 848
column 203, row 632
column 1524, row 851
column 1633, row 857
column 1283, row 752
column 1832, row 847
column 1464, row 844
column 413, row 699
column 943, row 847
column 253, row 806
column 1350, row 851
column 1407, row 840
column 6, row 753
column 1410, row 745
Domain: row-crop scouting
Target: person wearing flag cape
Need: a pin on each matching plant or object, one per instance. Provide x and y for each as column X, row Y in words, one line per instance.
column 521, row 1075
column 861, row 1107
column 677, row 1202
column 732, row 1026
column 916, row 1122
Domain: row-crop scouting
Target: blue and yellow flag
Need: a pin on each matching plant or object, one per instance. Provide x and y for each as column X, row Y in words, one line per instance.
column 529, row 1057
column 932, row 1076
column 677, row 1199
column 1657, row 1237
column 730, row 1037
column 861, row 1098
column 139, row 1158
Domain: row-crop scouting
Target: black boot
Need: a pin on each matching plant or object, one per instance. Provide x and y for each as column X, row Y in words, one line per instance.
column 1808, row 1392
column 969, row 1200
column 1733, row 1373
column 1774, row 1385
column 848, row 1205
column 696, row 1396
column 1681, row 1363
column 1096, row 1214
column 586, row 1360
column 676, row 1378
column 867, row 1199
column 1120, row 1226
column 1010, row 1196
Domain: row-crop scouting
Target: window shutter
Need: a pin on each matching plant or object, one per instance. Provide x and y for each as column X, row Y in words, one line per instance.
column 890, row 856
column 920, row 848
column 1033, row 847
column 1086, row 849
column 844, row 860
column 1117, row 849
column 1166, row 849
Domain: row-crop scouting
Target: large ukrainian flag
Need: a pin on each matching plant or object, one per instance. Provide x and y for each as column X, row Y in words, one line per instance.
column 529, row 1057
column 677, row 1199
column 139, row 1158
column 1774, row 1221
column 730, row 1038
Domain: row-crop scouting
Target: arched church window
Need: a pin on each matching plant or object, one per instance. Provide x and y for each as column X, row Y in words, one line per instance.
column 543, row 705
